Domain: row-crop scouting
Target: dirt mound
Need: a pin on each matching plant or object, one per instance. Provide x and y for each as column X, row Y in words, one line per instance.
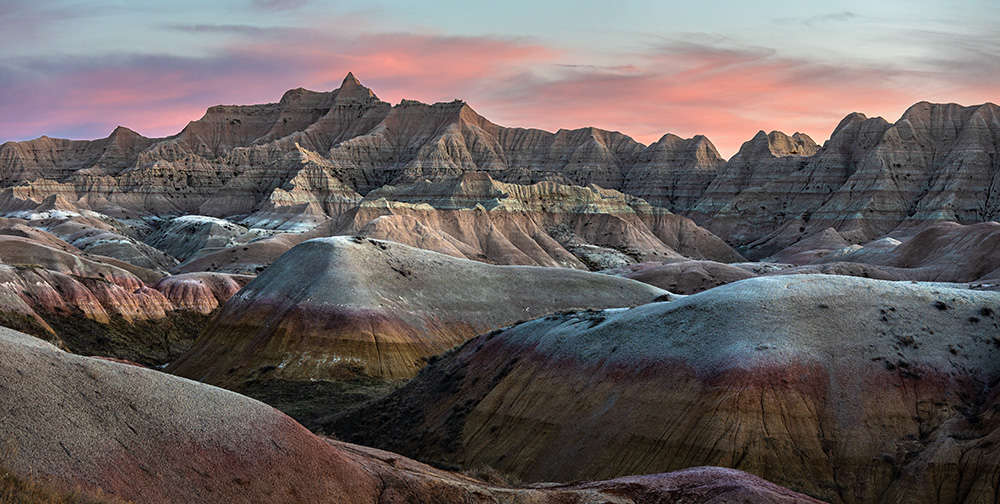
column 844, row 388
column 135, row 434
column 339, row 307
column 683, row 277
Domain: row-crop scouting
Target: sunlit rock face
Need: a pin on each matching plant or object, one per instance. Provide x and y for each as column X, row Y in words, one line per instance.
column 847, row 389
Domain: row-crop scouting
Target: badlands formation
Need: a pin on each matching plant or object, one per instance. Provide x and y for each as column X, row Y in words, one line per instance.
column 843, row 388
column 333, row 308
column 317, row 252
column 138, row 435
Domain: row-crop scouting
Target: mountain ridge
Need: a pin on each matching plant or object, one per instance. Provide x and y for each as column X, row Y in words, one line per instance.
column 310, row 157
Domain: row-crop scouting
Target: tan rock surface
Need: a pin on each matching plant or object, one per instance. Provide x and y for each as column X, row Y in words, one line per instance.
column 306, row 160
column 200, row 292
column 847, row 389
column 480, row 218
column 674, row 172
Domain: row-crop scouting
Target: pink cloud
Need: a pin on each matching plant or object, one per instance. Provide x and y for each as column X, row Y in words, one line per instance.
column 725, row 93
column 158, row 95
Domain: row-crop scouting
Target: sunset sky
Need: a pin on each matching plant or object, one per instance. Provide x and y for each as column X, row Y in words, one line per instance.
column 722, row 69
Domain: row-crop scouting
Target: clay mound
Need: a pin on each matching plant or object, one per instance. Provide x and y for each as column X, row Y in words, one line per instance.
column 247, row 259
column 102, row 308
column 338, row 307
column 132, row 433
column 683, row 277
column 201, row 292
column 146, row 436
column 847, row 269
column 811, row 249
column 16, row 227
column 185, row 236
column 99, row 238
column 29, row 253
column 843, row 388
column 945, row 252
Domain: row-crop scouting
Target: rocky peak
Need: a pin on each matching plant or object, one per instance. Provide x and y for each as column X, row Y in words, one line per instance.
column 705, row 151
column 303, row 97
column 799, row 144
column 351, row 90
column 126, row 139
column 852, row 118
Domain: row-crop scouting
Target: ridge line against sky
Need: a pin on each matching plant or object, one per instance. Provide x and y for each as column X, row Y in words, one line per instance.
column 724, row 70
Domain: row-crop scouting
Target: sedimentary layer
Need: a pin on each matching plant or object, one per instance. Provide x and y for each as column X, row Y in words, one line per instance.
column 134, row 434
column 345, row 306
column 846, row 389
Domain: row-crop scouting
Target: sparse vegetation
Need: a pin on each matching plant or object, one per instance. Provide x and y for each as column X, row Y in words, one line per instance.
column 147, row 342
column 311, row 403
column 494, row 477
column 15, row 489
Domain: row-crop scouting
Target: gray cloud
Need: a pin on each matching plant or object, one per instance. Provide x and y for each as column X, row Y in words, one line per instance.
column 278, row 5
column 246, row 30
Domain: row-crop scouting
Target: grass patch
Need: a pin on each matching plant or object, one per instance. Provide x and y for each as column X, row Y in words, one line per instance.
column 311, row 403
column 147, row 342
column 488, row 474
column 16, row 489
column 26, row 324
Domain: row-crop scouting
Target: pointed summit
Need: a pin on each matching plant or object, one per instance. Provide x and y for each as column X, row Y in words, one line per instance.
column 352, row 90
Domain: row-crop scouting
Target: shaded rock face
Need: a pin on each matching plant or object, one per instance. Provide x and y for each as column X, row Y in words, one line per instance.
column 139, row 435
column 476, row 217
column 339, row 307
column 870, row 178
column 945, row 252
column 683, row 277
column 847, row 389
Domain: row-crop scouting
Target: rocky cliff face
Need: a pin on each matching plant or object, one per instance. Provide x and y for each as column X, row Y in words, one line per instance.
column 938, row 163
column 309, row 159
column 847, row 389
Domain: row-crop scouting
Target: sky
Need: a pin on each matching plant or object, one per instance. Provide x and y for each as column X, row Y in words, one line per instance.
column 723, row 69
